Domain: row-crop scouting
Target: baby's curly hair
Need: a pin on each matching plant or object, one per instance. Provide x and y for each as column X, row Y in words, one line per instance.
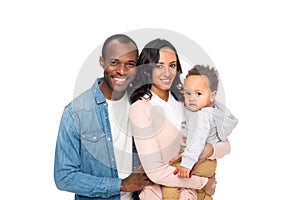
column 210, row 73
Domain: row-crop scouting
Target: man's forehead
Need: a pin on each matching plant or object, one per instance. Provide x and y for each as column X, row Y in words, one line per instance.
column 116, row 49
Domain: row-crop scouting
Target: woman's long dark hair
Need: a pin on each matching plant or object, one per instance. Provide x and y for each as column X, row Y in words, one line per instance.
column 149, row 57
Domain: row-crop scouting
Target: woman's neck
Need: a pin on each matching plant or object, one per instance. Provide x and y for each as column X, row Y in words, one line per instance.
column 163, row 94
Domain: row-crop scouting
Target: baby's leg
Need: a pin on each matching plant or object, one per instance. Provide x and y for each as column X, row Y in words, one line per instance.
column 170, row 193
column 206, row 169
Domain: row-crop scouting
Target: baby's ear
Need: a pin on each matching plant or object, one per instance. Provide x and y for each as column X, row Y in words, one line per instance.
column 213, row 96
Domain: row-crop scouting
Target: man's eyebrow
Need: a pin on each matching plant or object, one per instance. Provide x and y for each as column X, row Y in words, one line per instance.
column 113, row 59
column 132, row 61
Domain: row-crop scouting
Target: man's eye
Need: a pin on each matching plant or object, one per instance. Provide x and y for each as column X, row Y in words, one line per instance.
column 131, row 65
column 113, row 63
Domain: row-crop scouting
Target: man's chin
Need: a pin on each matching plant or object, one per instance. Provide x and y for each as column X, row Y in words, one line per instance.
column 120, row 88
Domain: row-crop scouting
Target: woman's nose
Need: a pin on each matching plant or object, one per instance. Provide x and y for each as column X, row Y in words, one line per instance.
column 167, row 71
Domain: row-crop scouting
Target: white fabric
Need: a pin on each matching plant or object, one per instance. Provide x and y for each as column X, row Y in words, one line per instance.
column 122, row 138
column 173, row 109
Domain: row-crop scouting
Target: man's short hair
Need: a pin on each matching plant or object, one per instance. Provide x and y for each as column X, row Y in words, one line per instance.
column 119, row 37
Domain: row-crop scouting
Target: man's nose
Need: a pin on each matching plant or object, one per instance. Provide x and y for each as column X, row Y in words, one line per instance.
column 122, row 69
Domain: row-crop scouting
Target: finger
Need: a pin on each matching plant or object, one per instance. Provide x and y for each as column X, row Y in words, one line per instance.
column 187, row 175
column 179, row 174
column 175, row 172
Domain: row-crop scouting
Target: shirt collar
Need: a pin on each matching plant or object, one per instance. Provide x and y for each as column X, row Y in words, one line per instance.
column 157, row 100
column 98, row 95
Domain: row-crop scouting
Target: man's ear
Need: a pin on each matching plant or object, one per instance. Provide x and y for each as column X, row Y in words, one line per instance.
column 213, row 96
column 101, row 61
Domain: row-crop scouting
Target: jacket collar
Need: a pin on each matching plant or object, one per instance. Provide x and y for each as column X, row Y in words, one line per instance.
column 97, row 94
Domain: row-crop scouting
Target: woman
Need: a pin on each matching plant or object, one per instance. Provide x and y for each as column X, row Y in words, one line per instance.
column 156, row 117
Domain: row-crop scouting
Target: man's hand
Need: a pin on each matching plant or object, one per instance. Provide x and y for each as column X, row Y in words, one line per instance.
column 183, row 172
column 137, row 180
column 210, row 186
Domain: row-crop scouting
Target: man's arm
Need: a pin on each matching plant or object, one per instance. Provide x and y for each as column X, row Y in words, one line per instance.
column 68, row 175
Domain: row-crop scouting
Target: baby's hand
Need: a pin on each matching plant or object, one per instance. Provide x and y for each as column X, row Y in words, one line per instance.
column 183, row 172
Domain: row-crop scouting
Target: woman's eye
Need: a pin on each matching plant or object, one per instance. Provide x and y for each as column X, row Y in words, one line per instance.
column 173, row 65
column 159, row 66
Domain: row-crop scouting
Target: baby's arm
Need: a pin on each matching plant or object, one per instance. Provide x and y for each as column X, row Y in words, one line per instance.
column 196, row 141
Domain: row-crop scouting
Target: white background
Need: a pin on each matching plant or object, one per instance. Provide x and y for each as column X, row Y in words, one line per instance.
column 254, row 44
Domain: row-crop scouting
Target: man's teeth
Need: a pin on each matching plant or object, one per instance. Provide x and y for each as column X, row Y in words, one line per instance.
column 120, row 79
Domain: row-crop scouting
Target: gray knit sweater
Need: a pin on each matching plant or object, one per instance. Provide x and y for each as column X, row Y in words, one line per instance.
column 208, row 125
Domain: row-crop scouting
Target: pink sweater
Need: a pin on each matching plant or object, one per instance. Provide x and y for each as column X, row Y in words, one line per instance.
column 158, row 141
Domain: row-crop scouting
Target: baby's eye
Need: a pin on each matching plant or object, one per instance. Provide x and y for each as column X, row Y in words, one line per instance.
column 198, row 93
column 186, row 93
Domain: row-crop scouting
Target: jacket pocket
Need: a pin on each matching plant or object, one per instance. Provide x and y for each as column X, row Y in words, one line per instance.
column 94, row 145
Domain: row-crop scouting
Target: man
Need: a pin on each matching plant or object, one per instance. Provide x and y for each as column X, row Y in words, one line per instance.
column 93, row 155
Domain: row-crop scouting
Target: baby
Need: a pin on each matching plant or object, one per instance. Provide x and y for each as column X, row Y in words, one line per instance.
column 208, row 121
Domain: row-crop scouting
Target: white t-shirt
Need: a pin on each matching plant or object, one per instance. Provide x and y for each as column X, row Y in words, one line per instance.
column 122, row 138
column 173, row 110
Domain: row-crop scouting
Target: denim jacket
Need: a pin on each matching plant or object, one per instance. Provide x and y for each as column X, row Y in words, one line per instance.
column 84, row 157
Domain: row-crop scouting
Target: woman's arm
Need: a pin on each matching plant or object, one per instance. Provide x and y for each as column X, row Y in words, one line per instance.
column 149, row 129
column 220, row 149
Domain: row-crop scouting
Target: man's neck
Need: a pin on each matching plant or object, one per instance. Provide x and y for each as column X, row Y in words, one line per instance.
column 109, row 93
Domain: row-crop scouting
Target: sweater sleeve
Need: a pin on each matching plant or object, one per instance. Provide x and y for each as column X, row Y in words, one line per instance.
column 148, row 128
column 198, row 132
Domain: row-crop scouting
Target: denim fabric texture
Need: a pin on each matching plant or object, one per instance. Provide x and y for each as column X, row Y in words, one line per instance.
column 84, row 155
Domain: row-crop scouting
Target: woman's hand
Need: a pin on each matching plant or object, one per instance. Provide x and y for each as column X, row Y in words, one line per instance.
column 210, row 186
